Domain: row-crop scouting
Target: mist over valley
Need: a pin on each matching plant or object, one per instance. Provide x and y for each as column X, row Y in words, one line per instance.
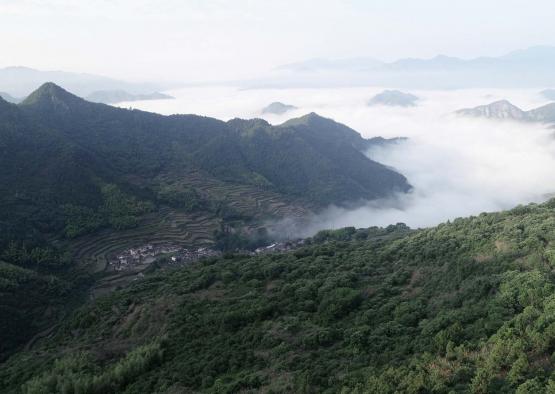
column 456, row 165
column 310, row 196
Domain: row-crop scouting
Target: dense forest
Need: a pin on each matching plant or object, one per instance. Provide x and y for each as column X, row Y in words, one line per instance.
column 466, row 306
column 72, row 170
column 60, row 153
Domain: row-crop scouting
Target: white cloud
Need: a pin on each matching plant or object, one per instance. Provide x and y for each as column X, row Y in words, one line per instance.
column 458, row 166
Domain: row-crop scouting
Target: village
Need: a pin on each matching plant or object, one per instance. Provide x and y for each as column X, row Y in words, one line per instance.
column 134, row 259
column 137, row 258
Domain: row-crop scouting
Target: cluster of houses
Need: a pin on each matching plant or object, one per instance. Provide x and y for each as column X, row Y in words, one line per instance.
column 137, row 258
column 190, row 255
column 134, row 258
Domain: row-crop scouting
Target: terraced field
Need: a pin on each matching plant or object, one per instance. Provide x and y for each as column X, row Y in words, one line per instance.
column 249, row 200
column 162, row 227
column 172, row 226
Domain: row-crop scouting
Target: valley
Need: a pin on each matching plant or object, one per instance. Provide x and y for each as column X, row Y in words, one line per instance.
column 183, row 253
column 246, row 197
column 96, row 198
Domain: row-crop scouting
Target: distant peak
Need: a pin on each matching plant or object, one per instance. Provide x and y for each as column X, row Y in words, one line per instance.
column 51, row 87
column 311, row 117
column 502, row 102
column 308, row 119
column 394, row 98
column 49, row 92
column 501, row 109
column 277, row 108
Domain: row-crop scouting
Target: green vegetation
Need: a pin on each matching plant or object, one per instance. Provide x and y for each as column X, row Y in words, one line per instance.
column 31, row 301
column 467, row 306
column 60, row 152
column 118, row 211
column 178, row 196
column 77, row 374
column 81, row 181
column 232, row 239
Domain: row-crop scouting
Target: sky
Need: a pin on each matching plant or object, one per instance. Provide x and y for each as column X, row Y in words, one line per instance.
column 206, row 40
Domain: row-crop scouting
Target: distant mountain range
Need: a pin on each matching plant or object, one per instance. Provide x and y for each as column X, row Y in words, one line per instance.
column 393, row 98
column 277, row 108
column 548, row 94
column 118, row 96
column 21, row 81
column 530, row 67
column 503, row 109
column 9, row 98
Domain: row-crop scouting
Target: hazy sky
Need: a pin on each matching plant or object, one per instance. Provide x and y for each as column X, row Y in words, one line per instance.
column 218, row 39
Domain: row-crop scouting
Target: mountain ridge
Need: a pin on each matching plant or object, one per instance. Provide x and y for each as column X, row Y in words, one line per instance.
column 527, row 68
column 21, row 81
column 131, row 144
column 504, row 110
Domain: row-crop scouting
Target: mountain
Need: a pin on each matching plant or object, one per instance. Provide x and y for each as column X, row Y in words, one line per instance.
column 527, row 68
column 463, row 307
column 9, row 98
column 548, row 94
column 310, row 153
column 60, row 149
column 82, row 182
column 118, row 96
column 393, row 98
column 439, row 62
column 498, row 110
column 505, row 110
column 544, row 114
column 21, row 81
column 277, row 108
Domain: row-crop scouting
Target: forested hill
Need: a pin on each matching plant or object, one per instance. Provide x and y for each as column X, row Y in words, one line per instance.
column 464, row 307
column 59, row 150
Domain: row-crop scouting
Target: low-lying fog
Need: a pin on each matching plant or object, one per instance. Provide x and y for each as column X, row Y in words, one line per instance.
column 458, row 167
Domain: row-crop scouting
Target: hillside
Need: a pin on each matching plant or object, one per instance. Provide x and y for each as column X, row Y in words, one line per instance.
column 82, row 183
column 505, row 110
column 463, row 307
column 65, row 149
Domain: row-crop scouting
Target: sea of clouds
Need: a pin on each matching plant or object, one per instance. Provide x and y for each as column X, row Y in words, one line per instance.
column 457, row 166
